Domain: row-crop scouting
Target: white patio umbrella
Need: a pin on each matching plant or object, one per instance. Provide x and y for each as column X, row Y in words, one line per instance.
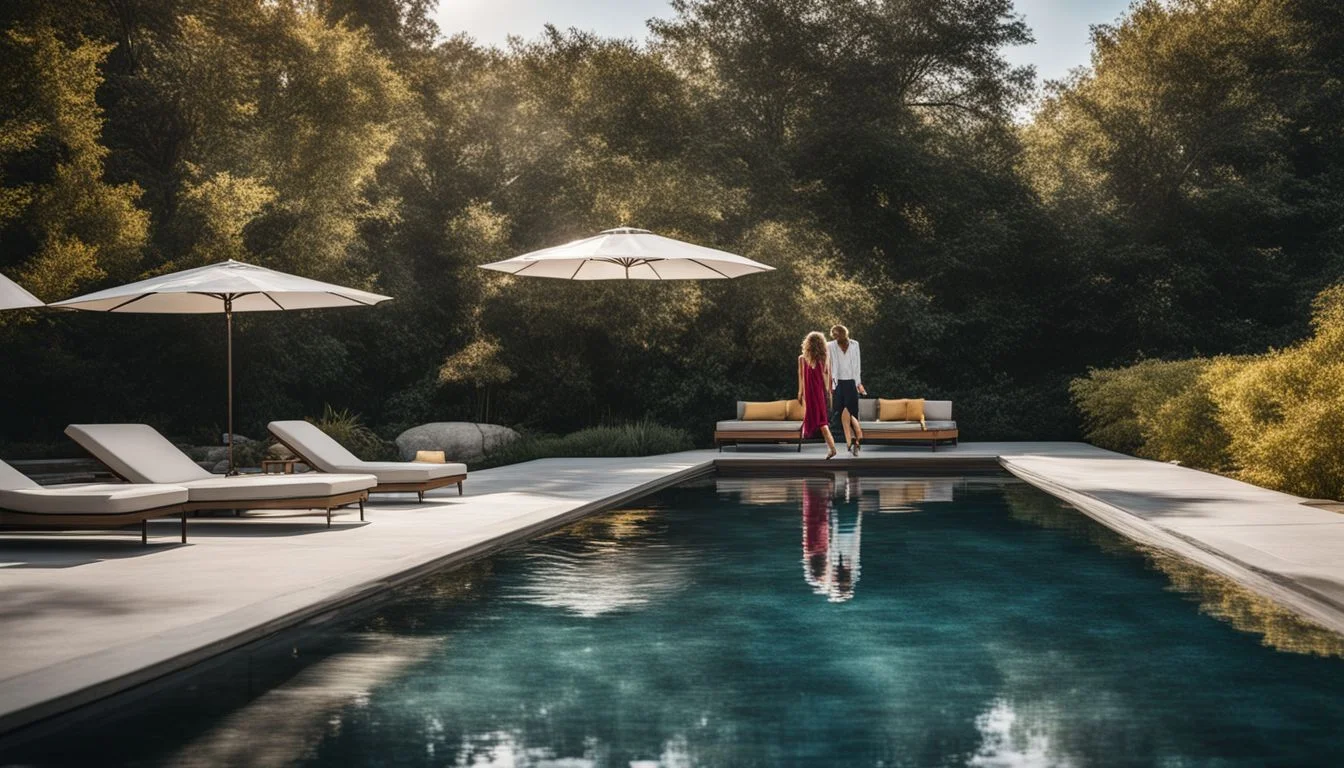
column 13, row 296
column 227, row 287
column 625, row 253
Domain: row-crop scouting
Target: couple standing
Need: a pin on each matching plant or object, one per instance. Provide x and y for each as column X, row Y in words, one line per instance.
column 825, row 367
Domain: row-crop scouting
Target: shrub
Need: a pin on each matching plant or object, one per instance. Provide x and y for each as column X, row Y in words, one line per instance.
column 1186, row 427
column 1284, row 412
column 349, row 430
column 641, row 438
column 1117, row 402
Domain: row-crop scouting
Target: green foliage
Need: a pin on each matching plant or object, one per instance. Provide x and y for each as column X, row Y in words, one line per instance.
column 1181, row 198
column 349, row 430
column 1273, row 419
column 641, row 438
column 1284, row 411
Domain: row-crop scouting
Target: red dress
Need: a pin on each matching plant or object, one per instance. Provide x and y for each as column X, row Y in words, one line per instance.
column 814, row 398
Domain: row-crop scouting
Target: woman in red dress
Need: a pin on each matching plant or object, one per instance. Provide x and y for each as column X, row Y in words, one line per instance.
column 814, row 389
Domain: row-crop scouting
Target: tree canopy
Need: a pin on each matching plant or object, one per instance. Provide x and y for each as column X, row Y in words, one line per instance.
column 1183, row 195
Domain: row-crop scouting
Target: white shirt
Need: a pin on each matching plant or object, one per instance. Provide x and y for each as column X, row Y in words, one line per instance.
column 844, row 365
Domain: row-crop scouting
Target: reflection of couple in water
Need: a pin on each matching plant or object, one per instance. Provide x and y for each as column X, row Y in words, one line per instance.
column 830, row 548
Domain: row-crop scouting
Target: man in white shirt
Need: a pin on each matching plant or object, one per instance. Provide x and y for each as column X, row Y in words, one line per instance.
column 847, row 382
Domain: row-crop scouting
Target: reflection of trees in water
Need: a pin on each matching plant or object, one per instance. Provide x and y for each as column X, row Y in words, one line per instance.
column 610, row 563
column 1217, row 595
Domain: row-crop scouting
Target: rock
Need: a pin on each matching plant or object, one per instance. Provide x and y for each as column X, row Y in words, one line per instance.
column 237, row 439
column 217, row 454
column 221, row 468
column 279, row 451
column 460, row 441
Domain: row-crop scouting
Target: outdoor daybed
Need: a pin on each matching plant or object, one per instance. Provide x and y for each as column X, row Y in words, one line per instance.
column 755, row 424
column 25, row 504
column 319, row 451
column 937, row 427
column 139, row 454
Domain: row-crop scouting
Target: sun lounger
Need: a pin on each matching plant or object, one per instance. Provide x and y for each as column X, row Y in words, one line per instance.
column 321, row 452
column 24, row 503
column 138, row 454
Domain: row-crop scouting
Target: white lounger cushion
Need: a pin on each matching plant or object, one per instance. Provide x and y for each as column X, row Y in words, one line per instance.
column 140, row 454
column 137, row 452
column 255, row 487
column 19, row 493
column 327, row 455
column 103, row 499
column 736, row 425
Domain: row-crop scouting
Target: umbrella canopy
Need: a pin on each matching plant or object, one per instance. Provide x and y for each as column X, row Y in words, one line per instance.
column 229, row 286
column 13, row 296
column 629, row 254
column 226, row 287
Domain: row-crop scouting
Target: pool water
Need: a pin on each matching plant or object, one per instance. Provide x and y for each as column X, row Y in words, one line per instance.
column 825, row 621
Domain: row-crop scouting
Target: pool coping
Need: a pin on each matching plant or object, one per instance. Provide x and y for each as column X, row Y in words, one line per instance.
column 23, row 723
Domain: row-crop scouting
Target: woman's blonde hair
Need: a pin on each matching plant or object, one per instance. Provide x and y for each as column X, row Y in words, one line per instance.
column 841, row 335
column 814, row 348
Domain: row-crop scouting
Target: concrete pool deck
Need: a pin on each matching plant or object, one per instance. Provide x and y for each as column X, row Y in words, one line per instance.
column 86, row 616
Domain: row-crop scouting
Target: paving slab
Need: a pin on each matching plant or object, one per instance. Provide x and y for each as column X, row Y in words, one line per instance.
column 85, row 615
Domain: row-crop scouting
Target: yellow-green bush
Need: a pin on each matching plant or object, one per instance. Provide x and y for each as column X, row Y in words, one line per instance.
column 1284, row 411
column 1275, row 420
column 1119, row 403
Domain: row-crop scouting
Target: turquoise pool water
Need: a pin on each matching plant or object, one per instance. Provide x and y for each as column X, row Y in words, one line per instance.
column 828, row 621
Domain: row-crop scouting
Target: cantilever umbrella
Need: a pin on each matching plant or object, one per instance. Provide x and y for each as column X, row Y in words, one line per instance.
column 227, row 287
column 13, row 296
column 626, row 253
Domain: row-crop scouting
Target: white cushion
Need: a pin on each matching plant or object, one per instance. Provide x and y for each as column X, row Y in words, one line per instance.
column 101, row 499
column 759, row 426
column 253, row 487
column 136, row 452
column 315, row 446
column 900, row 426
column 937, row 410
column 405, row 471
column 12, row 479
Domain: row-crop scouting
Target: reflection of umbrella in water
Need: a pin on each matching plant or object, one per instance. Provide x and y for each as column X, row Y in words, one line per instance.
column 601, row 573
column 226, row 287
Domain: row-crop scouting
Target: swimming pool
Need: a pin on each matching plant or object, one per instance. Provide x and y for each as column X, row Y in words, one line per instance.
column 829, row 620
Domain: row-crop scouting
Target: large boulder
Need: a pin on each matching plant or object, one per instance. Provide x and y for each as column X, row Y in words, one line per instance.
column 459, row 440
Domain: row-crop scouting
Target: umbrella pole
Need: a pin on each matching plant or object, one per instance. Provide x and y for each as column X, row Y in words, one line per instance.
column 228, row 325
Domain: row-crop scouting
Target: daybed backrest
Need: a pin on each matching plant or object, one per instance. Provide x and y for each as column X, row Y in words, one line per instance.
column 136, row 452
column 313, row 445
column 938, row 410
column 867, row 409
column 934, row 410
column 12, row 479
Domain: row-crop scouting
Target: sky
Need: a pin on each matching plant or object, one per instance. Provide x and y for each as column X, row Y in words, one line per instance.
column 1060, row 26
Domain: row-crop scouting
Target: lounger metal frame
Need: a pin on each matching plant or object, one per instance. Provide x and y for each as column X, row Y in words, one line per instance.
column 75, row 521
column 417, row 488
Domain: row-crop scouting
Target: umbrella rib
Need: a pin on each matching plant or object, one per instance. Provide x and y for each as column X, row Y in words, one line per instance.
column 711, row 269
column 525, row 267
column 576, row 269
column 129, row 301
column 350, row 298
column 273, row 301
column 649, row 264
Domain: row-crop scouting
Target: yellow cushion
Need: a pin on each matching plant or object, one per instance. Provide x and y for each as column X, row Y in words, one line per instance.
column 914, row 410
column 795, row 410
column 773, row 411
column 891, row 410
column 431, row 457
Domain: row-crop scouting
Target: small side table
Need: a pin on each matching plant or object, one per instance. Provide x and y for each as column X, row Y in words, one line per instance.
column 285, row 466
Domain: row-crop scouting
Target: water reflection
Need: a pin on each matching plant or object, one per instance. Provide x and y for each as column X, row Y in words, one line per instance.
column 1217, row 595
column 830, row 544
column 619, row 561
